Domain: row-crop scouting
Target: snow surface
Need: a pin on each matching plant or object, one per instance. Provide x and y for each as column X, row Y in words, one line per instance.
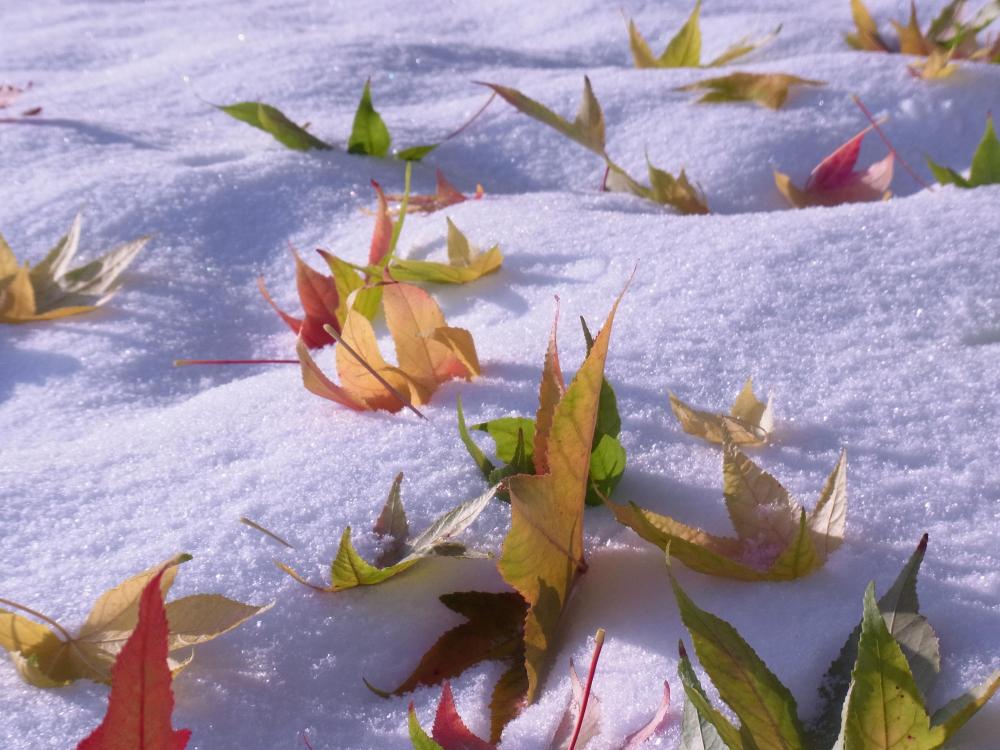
column 877, row 327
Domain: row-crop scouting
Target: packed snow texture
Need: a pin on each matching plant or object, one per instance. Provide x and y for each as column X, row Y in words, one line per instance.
column 876, row 327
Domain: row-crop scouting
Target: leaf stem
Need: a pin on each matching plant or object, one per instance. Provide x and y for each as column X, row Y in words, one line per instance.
column 257, row 527
column 471, row 119
column 40, row 616
column 909, row 170
column 598, row 645
column 398, row 228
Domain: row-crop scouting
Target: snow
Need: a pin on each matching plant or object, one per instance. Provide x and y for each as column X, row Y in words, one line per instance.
column 875, row 326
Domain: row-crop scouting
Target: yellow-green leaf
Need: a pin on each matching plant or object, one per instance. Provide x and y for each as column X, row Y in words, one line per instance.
column 767, row 89
column 464, row 264
column 749, row 422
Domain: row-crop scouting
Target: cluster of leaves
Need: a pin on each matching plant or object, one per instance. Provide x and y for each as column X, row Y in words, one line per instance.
column 947, row 37
column 45, row 659
column 588, row 130
column 985, row 164
column 401, row 552
column 517, row 440
column 872, row 696
column 10, row 93
column 580, row 723
column 684, row 49
column 835, row 181
column 50, row 290
column 369, row 133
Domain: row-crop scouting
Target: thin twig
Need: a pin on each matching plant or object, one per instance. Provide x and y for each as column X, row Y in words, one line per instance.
column 40, row 616
column 254, row 525
column 371, row 370
column 909, row 170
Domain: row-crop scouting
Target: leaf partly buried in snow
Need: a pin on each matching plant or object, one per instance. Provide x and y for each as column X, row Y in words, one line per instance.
column 349, row 569
column 449, row 732
column 776, row 539
column 272, row 120
column 50, row 290
column 465, row 263
column 369, row 135
column 543, row 550
column 684, row 49
column 985, row 163
column 767, row 89
column 493, row 631
column 749, row 422
column 142, row 699
column 834, row 180
column 444, row 195
column 53, row 658
column 429, row 353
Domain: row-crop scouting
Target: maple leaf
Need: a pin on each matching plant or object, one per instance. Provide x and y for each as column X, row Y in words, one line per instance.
column 45, row 659
column 493, row 631
column 749, row 422
column 684, row 49
column 321, row 303
column 985, row 163
column 588, row 130
column 428, row 350
column 882, row 706
column 834, row 180
column 465, row 263
column 776, row 539
column 349, row 569
column 272, row 120
column 767, row 89
column 49, row 290
column 444, row 195
column 518, row 441
column 141, row 700
column 543, row 551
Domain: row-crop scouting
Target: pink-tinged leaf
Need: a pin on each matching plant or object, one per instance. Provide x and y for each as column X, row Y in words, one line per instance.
column 382, row 235
column 141, row 700
column 320, row 299
column 837, row 169
column 655, row 726
column 450, row 731
column 445, row 195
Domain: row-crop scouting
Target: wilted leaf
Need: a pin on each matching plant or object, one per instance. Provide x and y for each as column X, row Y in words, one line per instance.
column 46, row 659
column 767, row 89
column 445, row 195
column 429, row 353
column 464, row 264
column 50, row 291
column 273, row 121
column 749, row 422
column 985, row 163
column 777, row 540
column 493, row 632
column 349, row 569
column 369, row 135
column 141, row 700
column 684, row 50
column 765, row 707
column 543, row 551
column 320, row 299
column 834, row 180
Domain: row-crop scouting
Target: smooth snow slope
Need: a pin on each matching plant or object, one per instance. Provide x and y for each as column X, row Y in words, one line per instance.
column 877, row 327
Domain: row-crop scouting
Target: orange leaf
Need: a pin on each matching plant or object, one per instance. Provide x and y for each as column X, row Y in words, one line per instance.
column 141, row 700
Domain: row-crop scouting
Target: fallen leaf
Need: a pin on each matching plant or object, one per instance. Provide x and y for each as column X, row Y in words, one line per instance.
column 937, row 65
column 834, row 180
column 522, row 445
column 767, row 89
column 866, row 36
column 543, row 550
column 52, row 658
column 141, row 701
column 449, row 729
column 493, row 631
column 465, row 263
column 749, row 422
column 320, row 299
column 655, row 726
column 776, row 539
column 272, row 120
column 445, row 195
column 684, row 49
column 369, row 135
column 985, row 164
column 428, row 350
column 349, row 569
column 50, row 291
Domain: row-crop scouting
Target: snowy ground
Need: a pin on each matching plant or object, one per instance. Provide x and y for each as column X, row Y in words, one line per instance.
column 876, row 326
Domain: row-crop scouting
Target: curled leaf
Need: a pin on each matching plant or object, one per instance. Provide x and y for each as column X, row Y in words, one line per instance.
column 749, row 422
column 272, row 120
column 767, row 89
column 320, row 302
